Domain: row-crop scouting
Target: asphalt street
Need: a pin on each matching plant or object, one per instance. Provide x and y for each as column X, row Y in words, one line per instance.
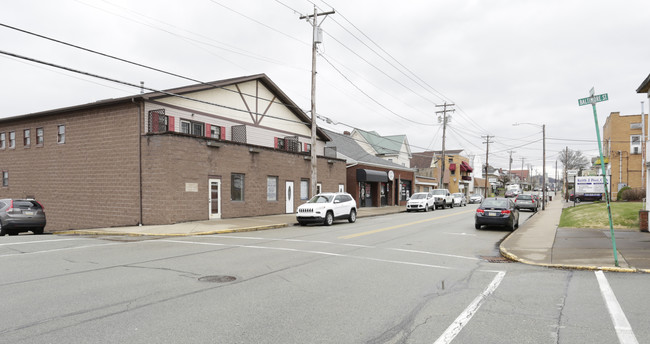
column 400, row 278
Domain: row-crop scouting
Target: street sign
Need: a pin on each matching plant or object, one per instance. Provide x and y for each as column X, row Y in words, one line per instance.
column 593, row 100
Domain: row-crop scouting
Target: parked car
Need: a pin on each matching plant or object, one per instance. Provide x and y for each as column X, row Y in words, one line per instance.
column 497, row 211
column 527, row 202
column 511, row 193
column 459, row 199
column 326, row 207
column 21, row 215
column 420, row 201
column 589, row 197
column 442, row 198
column 538, row 200
column 475, row 198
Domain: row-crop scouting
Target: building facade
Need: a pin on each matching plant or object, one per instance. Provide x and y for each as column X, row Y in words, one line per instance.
column 624, row 146
column 232, row 148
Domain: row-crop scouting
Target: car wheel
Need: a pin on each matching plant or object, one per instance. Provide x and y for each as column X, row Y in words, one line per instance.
column 514, row 225
column 353, row 216
column 329, row 218
column 38, row 230
column 444, row 205
column 2, row 230
column 477, row 226
column 577, row 200
column 451, row 205
column 433, row 207
column 426, row 208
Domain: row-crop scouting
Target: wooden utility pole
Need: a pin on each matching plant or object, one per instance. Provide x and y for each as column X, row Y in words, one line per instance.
column 443, row 120
column 316, row 39
column 510, row 166
column 487, row 154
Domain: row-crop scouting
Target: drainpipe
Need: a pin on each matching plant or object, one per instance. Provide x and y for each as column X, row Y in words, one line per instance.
column 620, row 168
column 140, row 119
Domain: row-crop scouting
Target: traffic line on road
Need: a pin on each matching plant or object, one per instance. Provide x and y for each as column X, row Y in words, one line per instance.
column 36, row 242
column 621, row 325
column 462, row 320
column 56, row 250
column 402, row 225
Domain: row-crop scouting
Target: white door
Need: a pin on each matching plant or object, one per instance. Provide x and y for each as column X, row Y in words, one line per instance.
column 214, row 203
column 289, row 197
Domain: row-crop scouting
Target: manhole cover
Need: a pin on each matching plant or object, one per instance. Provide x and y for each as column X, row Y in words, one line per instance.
column 217, row 279
column 496, row 259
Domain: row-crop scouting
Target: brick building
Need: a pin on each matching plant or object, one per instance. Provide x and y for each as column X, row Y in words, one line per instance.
column 623, row 149
column 232, row 148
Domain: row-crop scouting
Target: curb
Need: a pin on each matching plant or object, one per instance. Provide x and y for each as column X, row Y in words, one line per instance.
column 504, row 252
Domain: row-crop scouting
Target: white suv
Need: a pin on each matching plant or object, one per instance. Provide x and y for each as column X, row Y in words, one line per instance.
column 442, row 198
column 327, row 207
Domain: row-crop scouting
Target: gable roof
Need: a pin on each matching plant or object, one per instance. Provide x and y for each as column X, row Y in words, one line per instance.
column 349, row 148
column 184, row 91
column 425, row 159
column 383, row 145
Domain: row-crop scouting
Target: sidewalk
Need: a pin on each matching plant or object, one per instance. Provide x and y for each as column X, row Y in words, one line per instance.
column 221, row 226
column 541, row 242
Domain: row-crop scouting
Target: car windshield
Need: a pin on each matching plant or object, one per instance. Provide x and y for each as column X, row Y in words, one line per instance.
column 495, row 203
column 419, row 196
column 526, row 197
column 439, row 192
column 458, row 195
column 321, row 199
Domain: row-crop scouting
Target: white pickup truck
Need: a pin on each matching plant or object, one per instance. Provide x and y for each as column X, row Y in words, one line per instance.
column 443, row 198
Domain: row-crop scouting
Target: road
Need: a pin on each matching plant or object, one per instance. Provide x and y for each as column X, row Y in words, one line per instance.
column 402, row 278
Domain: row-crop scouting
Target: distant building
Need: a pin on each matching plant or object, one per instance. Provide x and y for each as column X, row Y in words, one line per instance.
column 623, row 147
column 393, row 148
column 458, row 171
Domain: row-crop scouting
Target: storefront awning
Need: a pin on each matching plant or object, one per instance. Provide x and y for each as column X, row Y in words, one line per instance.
column 364, row 175
column 465, row 167
column 452, row 167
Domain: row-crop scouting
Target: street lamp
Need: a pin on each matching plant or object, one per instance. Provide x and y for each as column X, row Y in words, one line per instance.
column 543, row 126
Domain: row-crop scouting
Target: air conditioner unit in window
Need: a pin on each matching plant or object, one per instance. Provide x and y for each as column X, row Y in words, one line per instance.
column 635, row 150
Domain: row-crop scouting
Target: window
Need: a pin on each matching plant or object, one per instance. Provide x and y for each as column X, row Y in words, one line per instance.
column 3, row 138
column 12, row 139
column 308, row 148
column 271, row 188
column 192, row 128
column 158, row 121
column 215, row 132
column 27, row 139
column 319, row 188
column 237, row 187
column 39, row 136
column 5, row 178
column 635, row 144
column 279, row 143
column 304, row 189
column 60, row 136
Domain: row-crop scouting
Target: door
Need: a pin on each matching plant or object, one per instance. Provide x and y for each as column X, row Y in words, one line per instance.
column 289, row 197
column 214, row 203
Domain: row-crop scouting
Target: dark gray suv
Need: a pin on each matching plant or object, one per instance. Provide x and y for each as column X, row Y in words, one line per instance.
column 21, row 215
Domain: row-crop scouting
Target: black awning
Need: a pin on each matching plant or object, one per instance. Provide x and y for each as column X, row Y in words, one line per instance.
column 364, row 175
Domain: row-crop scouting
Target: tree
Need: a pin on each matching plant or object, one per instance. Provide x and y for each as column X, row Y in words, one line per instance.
column 573, row 160
column 503, row 179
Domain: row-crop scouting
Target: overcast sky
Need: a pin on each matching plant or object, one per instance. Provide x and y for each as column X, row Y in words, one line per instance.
column 384, row 65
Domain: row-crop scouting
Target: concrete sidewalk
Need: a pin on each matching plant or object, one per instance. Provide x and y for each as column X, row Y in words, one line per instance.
column 541, row 242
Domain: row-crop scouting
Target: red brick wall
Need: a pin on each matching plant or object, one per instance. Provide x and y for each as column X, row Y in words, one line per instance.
column 172, row 160
column 89, row 181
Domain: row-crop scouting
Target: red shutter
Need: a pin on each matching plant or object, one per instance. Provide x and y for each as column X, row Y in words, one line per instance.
column 154, row 123
column 223, row 133
column 275, row 139
column 306, row 147
column 207, row 130
column 170, row 123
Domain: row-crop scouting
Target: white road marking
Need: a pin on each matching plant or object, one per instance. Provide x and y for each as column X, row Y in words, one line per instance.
column 462, row 320
column 434, row 254
column 36, row 242
column 463, row 234
column 56, row 250
column 621, row 325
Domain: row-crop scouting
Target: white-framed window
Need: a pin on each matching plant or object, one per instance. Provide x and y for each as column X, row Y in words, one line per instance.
column 215, row 132
column 319, row 188
column 635, row 144
column 341, row 188
column 3, row 140
column 39, row 136
column 5, row 178
column 27, row 137
column 271, row 188
column 12, row 139
column 304, row 189
column 192, row 128
column 60, row 134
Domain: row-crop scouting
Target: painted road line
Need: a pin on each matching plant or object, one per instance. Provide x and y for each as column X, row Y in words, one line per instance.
column 621, row 325
column 462, row 320
column 433, row 253
column 403, row 225
column 56, row 250
column 37, row 242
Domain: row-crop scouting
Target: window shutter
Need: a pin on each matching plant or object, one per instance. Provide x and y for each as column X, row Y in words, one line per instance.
column 223, row 133
column 207, row 130
column 306, row 145
column 170, row 123
column 275, row 145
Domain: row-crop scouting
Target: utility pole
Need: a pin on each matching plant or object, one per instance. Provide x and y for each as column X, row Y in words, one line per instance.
column 544, row 167
column 443, row 120
column 522, row 168
column 487, row 154
column 510, row 166
column 555, row 184
column 316, row 39
column 566, row 175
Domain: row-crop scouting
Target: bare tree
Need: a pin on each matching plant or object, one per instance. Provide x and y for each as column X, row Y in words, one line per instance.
column 573, row 160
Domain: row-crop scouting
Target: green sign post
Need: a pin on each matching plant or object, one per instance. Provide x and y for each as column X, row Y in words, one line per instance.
column 593, row 99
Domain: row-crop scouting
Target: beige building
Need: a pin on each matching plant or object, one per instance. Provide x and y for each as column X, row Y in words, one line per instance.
column 623, row 148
